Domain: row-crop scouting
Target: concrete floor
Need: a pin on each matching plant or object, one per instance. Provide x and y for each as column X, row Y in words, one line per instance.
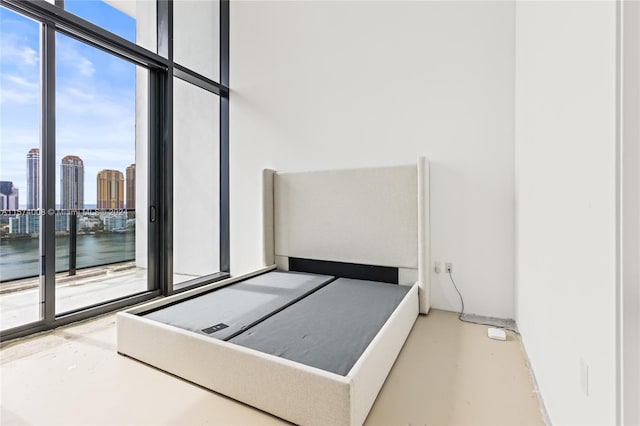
column 448, row 373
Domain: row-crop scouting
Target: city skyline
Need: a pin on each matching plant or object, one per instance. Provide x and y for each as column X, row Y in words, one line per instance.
column 95, row 98
column 72, row 184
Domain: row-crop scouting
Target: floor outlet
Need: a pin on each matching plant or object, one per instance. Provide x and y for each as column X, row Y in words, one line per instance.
column 496, row 334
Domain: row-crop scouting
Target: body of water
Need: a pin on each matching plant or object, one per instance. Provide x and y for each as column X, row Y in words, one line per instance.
column 20, row 258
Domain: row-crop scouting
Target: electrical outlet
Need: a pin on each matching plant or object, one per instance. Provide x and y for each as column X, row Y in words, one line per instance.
column 437, row 267
column 448, row 267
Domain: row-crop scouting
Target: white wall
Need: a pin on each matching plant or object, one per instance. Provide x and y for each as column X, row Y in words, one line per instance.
column 319, row 85
column 631, row 212
column 566, row 204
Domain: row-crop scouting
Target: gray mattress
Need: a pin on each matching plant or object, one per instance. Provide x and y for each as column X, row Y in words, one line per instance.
column 330, row 328
column 228, row 310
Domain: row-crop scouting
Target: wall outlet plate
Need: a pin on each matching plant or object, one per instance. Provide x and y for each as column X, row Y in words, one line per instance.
column 448, row 267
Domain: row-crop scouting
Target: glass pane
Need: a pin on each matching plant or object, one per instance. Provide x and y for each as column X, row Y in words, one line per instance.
column 134, row 20
column 196, row 187
column 100, row 137
column 19, row 170
column 196, row 36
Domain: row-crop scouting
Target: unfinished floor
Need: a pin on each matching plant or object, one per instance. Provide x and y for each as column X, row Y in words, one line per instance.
column 448, row 373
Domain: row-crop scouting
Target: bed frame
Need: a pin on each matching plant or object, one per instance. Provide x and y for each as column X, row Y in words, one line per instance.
column 375, row 217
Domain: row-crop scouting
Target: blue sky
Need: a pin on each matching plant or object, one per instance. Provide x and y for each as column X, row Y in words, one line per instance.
column 95, row 97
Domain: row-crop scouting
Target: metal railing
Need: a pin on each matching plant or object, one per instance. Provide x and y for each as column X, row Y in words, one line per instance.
column 84, row 238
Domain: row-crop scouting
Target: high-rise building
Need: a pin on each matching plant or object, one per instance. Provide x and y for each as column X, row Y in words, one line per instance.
column 131, row 186
column 110, row 189
column 24, row 224
column 33, row 179
column 9, row 199
column 72, row 183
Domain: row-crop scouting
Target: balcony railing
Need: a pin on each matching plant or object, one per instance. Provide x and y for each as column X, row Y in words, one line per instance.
column 84, row 238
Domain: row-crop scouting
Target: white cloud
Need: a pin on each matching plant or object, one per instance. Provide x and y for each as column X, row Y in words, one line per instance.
column 21, row 82
column 75, row 97
column 19, row 68
column 85, row 67
column 16, row 51
column 107, row 106
column 11, row 96
column 18, row 90
column 69, row 57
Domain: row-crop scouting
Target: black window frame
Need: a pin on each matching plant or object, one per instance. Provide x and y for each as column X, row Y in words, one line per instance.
column 162, row 70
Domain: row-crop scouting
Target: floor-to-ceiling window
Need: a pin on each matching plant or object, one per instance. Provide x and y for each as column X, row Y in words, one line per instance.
column 196, row 142
column 19, row 169
column 113, row 158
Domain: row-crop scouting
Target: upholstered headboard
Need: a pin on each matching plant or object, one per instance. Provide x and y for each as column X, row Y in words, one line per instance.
column 370, row 216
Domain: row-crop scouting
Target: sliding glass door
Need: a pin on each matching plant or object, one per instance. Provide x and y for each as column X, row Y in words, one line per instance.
column 96, row 181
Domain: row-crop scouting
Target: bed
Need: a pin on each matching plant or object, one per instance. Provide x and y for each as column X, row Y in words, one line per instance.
column 311, row 336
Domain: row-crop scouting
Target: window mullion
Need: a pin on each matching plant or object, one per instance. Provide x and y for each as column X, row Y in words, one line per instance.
column 225, row 233
column 48, row 164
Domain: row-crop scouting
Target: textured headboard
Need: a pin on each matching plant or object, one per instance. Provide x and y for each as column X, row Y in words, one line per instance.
column 370, row 216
